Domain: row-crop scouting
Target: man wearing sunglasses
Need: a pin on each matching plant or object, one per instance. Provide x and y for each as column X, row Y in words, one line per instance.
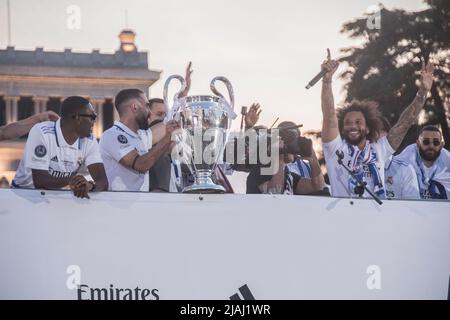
column 57, row 152
column 431, row 163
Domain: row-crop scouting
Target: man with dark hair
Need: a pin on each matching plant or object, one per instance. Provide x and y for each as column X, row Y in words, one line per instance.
column 129, row 148
column 431, row 163
column 56, row 153
column 355, row 132
column 22, row 127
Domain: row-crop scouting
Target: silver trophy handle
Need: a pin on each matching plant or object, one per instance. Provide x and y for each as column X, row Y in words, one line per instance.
column 229, row 87
column 177, row 95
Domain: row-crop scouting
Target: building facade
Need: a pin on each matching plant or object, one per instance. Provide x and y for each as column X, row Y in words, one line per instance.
column 36, row 81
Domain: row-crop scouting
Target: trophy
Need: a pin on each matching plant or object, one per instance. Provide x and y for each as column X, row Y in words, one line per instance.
column 205, row 122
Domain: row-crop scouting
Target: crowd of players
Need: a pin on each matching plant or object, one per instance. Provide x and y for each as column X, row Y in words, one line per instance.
column 135, row 153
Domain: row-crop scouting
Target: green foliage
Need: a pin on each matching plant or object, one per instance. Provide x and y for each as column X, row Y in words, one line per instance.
column 386, row 66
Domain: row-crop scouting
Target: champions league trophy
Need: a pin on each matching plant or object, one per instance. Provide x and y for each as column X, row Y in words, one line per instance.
column 205, row 122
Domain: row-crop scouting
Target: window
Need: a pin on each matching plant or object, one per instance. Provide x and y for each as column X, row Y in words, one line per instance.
column 2, row 111
column 25, row 108
column 108, row 114
column 54, row 104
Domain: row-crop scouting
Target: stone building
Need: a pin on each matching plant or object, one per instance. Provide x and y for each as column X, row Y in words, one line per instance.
column 35, row 81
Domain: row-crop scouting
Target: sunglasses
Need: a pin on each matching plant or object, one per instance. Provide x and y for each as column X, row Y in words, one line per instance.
column 91, row 116
column 436, row 142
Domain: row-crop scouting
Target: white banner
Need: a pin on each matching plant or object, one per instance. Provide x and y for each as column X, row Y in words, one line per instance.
column 180, row 246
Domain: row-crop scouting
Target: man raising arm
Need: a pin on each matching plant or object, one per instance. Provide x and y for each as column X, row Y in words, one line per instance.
column 410, row 114
column 355, row 131
column 22, row 127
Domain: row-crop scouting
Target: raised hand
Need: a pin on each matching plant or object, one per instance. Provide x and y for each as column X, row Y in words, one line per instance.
column 330, row 66
column 187, row 77
column 426, row 76
column 252, row 116
column 171, row 126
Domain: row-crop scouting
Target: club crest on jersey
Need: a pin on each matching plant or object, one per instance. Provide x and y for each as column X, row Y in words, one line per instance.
column 40, row 151
column 122, row 139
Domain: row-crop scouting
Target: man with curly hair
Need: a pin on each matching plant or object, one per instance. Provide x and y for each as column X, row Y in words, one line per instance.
column 355, row 130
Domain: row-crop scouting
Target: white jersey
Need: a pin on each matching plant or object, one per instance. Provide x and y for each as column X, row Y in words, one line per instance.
column 175, row 176
column 342, row 185
column 46, row 149
column 434, row 182
column 300, row 167
column 401, row 181
column 115, row 143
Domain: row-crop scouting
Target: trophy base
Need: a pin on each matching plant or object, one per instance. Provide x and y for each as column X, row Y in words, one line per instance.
column 205, row 186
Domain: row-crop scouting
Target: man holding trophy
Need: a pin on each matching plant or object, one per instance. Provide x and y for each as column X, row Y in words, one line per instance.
column 129, row 148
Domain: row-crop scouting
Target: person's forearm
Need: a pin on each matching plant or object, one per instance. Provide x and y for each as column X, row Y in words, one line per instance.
column 317, row 178
column 327, row 99
column 146, row 161
column 406, row 120
column 46, row 181
column 330, row 123
column 18, row 129
column 100, row 185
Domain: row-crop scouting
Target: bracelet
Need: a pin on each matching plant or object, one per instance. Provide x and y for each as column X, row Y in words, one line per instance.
column 93, row 185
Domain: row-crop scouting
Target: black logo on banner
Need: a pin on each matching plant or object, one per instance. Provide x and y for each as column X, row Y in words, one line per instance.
column 245, row 292
column 85, row 292
column 448, row 293
column 122, row 139
column 55, row 158
column 40, row 151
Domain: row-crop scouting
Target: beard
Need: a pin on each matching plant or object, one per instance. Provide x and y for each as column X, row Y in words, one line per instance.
column 354, row 141
column 143, row 123
column 429, row 154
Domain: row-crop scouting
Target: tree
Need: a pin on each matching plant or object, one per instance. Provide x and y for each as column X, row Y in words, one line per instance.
column 386, row 66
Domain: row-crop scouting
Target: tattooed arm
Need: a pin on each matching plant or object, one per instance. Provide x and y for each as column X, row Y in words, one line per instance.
column 409, row 115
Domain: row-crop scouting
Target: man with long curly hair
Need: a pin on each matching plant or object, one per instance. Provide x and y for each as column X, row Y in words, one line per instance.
column 356, row 131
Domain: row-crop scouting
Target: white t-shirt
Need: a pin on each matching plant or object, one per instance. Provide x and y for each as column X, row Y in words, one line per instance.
column 46, row 149
column 115, row 143
column 340, row 178
column 401, row 181
column 439, row 171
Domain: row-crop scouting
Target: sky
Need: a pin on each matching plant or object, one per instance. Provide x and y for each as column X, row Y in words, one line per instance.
column 269, row 50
